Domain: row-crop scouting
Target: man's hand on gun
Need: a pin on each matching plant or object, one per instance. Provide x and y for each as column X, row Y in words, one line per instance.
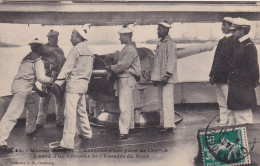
column 165, row 80
column 39, row 92
column 55, row 88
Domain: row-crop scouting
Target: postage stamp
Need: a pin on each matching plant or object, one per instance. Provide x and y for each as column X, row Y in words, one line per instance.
column 227, row 147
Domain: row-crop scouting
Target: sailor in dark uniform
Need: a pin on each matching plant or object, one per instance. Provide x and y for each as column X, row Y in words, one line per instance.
column 53, row 68
column 220, row 69
column 243, row 76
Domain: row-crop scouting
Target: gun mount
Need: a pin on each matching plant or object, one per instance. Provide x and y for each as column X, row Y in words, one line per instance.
column 102, row 102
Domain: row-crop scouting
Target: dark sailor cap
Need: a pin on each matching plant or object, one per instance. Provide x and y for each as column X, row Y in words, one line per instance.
column 52, row 33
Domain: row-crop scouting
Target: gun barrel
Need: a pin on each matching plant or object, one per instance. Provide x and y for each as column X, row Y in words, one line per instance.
column 185, row 52
column 195, row 49
column 99, row 72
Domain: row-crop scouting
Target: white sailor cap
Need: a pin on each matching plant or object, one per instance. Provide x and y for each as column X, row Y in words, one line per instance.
column 82, row 32
column 36, row 41
column 228, row 19
column 125, row 30
column 52, row 33
column 240, row 23
column 165, row 24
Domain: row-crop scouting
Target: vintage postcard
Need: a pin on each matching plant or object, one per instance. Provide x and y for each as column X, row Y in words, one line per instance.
column 112, row 82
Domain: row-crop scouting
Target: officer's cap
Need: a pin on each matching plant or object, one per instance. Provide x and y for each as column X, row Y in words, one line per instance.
column 52, row 33
column 36, row 41
column 82, row 32
column 165, row 24
column 229, row 20
column 125, row 30
column 240, row 23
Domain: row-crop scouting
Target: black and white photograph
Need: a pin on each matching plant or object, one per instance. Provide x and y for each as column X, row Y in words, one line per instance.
column 128, row 82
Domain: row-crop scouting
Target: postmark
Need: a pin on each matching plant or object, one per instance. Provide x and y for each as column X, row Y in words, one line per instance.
column 227, row 146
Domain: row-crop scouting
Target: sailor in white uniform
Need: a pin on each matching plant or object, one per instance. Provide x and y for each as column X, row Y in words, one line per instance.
column 30, row 70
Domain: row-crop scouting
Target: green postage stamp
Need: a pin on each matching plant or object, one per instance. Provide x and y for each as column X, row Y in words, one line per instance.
column 227, row 147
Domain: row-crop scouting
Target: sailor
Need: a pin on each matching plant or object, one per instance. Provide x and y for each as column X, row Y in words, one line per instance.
column 127, row 69
column 244, row 75
column 30, row 70
column 164, row 75
column 54, row 60
column 220, row 69
column 76, row 72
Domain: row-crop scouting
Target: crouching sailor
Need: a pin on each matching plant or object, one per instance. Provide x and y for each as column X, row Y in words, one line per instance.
column 30, row 70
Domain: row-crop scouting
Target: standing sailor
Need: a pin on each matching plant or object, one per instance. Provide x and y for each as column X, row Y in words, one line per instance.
column 76, row 72
column 30, row 70
column 220, row 69
column 244, row 75
column 54, row 57
column 127, row 69
column 164, row 75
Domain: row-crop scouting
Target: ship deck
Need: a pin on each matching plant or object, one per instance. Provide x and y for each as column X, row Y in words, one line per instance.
column 144, row 146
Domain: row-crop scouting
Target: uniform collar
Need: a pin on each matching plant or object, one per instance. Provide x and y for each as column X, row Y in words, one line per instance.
column 83, row 43
column 243, row 38
column 228, row 35
column 166, row 38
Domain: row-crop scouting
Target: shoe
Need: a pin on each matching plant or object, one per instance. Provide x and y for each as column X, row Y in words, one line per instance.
column 60, row 125
column 32, row 134
column 62, row 149
column 122, row 137
column 159, row 126
column 6, row 149
column 132, row 131
column 83, row 138
column 39, row 127
column 168, row 130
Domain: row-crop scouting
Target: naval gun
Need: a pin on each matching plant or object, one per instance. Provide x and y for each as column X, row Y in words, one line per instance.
column 102, row 99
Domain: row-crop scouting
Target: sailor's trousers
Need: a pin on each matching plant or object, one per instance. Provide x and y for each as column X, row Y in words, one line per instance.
column 14, row 111
column 75, row 115
column 166, row 101
column 126, row 104
column 43, row 109
column 222, row 94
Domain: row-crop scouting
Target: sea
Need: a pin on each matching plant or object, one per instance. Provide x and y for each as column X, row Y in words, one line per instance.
column 194, row 68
